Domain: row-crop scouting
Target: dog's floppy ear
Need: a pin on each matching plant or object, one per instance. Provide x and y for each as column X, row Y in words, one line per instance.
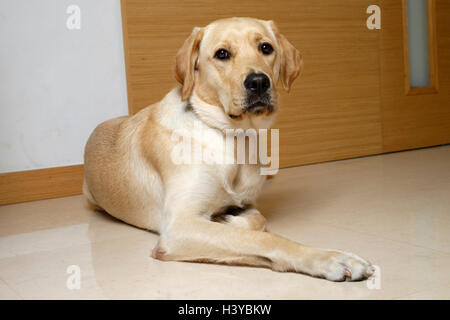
column 291, row 60
column 186, row 62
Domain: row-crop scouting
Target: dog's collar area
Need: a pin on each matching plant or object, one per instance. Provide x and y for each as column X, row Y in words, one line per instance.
column 211, row 115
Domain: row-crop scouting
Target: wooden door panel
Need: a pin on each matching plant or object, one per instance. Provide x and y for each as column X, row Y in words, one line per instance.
column 413, row 121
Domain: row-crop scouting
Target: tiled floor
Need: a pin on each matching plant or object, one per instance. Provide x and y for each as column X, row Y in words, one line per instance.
column 393, row 210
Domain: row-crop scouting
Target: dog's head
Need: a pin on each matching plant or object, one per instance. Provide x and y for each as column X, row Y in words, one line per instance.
column 235, row 64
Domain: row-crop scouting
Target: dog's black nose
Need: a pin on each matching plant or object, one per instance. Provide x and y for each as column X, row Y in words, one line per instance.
column 257, row 83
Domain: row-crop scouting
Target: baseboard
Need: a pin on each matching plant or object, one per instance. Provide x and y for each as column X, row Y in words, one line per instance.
column 58, row 182
column 40, row 184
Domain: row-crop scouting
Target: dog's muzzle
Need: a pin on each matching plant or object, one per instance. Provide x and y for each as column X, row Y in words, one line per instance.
column 258, row 97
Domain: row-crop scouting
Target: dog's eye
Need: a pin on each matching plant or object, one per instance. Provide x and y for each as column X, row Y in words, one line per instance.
column 265, row 48
column 222, row 54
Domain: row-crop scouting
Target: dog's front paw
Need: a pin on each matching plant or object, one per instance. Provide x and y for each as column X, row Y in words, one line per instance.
column 340, row 266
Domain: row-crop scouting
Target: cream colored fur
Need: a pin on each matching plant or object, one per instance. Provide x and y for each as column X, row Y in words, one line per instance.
column 130, row 174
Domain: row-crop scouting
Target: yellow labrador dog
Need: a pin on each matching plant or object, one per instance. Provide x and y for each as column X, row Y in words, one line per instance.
column 228, row 72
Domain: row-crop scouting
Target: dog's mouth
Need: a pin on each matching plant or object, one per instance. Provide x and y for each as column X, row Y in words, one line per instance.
column 255, row 105
column 259, row 107
column 258, row 104
column 235, row 116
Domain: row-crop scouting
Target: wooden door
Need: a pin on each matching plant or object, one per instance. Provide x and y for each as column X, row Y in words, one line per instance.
column 423, row 119
column 350, row 100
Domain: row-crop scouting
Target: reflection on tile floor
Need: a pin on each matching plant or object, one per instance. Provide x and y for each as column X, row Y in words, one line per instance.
column 393, row 210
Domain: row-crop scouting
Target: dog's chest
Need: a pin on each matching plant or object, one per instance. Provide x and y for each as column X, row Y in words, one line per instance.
column 242, row 184
column 239, row 184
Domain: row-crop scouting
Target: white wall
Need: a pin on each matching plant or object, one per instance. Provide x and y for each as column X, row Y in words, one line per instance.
column 57, row 84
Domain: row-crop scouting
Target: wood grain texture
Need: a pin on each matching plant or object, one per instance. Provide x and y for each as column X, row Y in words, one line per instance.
column 333, row 110
column 413, row 121
column 40, row 184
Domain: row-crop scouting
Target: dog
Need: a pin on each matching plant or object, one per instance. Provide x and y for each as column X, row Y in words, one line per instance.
column 228, row 72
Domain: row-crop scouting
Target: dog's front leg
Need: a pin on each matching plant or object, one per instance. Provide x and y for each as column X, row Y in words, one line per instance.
column 194, row 238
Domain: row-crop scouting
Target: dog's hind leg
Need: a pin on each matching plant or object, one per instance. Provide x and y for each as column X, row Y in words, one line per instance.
column 90, row 198
column 250, row 219
column 242, row 217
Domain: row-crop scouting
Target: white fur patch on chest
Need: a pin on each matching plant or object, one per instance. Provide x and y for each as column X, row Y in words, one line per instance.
column 202, row 144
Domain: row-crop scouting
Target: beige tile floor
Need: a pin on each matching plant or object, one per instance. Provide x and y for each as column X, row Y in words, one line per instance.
column 392, row 209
